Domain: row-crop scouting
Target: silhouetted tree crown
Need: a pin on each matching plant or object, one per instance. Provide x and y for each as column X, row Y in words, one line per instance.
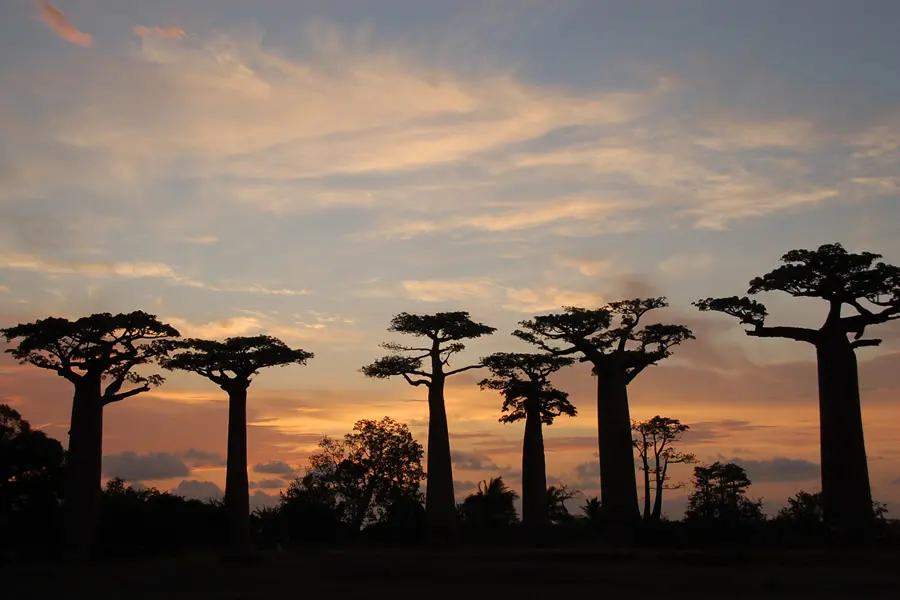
column 442, row 328
column 720, row 495
column 870, row 289
column 612, row 331
column 522, row 379
column 491, row 506
column 102, row 346
column 234, row 361
column 363, row 476
column 654, row 441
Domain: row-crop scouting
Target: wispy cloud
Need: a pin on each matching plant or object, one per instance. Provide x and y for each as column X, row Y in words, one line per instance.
column 173, row 33
column 133, row 270
column 484, row 291
column 57, row 20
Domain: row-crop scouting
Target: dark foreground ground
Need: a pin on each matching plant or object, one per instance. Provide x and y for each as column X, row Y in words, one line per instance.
column 470, row 573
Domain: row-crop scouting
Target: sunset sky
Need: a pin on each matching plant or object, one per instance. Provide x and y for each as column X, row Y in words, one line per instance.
column 308, row 168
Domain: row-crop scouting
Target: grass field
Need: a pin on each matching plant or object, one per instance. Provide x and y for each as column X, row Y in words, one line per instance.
column 470, row 573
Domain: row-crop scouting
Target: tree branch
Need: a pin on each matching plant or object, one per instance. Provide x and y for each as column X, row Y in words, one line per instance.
column 470, row 367
column 865, row 343
column 800, row 334
column 415, row 382
column 122, row 396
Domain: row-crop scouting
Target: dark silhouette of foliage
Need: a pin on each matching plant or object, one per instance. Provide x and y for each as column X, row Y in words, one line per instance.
column 619, row 349
column 428, row 365
column 88, row 352
column 591, row 509
column 720, row 496
column 491, row 507
column 522, row 379
column 654, row 441
column 805, row 514
column 31, row 483
column 157, row 522
column 871, row 291
column 557, row 496
column 231, row 365
column 362, row 477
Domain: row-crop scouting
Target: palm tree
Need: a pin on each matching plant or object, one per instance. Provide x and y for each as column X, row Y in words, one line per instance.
column 591, row 509
column 493, row 505
column 527, row 394
column 557, row 496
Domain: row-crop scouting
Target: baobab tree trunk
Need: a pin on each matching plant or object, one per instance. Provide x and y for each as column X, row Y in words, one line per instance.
column 846, row 495
column 83, row 470
column 237, row 484
column 618, row 490
column 534, row 474
column 440, row 503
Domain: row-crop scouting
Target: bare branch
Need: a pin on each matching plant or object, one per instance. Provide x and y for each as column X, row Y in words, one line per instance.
column 415, row 382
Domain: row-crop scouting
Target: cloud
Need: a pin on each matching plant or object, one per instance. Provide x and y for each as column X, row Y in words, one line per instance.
column 57, row 20
column 274, row 467
column 259, row 499
column 198, row 490
column 200, row 458
column 779, row 469
column 268, row 484
column 130, row 270
column 471, row 461
column 202, row 239
column 131, row 466
column 524, row 300
column 681, row 265
column 216, row 330
column 172, row 33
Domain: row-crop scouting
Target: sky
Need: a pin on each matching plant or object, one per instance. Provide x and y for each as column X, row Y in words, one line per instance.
column 309, row 168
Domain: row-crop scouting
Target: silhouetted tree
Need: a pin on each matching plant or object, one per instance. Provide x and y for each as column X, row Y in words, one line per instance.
column 491, row 507
column 231, row 365
column 872, row 291
column 653, row 441
column 443, row 332
column 31, row 480
column 591, row 509
column 375, row 467
column 87, row 352
column 527, row 394
column 720, row 496
column 619, row 352
column 557, row 496
column 805, row 512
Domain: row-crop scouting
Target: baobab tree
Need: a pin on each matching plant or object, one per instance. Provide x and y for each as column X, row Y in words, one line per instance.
column 868, row 289
column 522, row 379
column 653, row 440
column 444, row 333
column 610, row 339
column 231, row 365
column 88, row 352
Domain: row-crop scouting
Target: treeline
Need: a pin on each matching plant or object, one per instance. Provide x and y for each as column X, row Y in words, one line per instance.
column 366, row 489
column 99, row 355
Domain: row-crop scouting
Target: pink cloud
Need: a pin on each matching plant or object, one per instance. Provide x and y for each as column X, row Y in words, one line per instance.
column 172, row 33
column 57, row 20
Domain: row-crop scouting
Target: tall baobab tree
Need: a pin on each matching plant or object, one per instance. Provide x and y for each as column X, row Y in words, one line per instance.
column 619, row 350
column 88, row 352
column 522, row 379
column 870, row 291
column 444, row 333
column 231, row 365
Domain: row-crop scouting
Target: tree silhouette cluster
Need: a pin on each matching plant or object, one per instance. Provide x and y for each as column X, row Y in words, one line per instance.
column 369, row 481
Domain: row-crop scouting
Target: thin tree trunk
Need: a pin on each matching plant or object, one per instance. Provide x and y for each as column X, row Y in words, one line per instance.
column 660, row 482
column 440, row 503
column 534, row 474
column 646, row 484
column 237, row 484
column 618, row 490
column 83, row 471
column 846, row 494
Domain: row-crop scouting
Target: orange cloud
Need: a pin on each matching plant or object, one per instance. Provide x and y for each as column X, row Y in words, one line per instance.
column 57, row 20
column 172, row 33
